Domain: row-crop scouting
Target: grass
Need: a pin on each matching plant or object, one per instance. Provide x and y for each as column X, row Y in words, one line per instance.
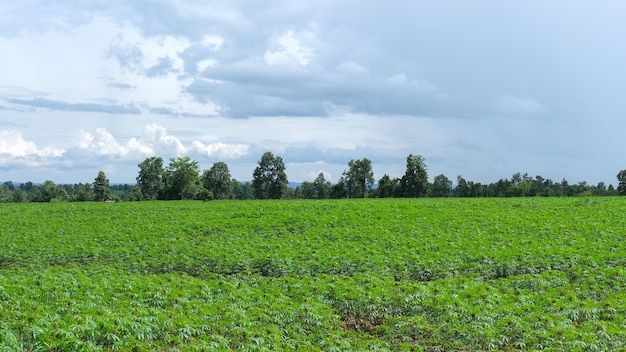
column 392, row 274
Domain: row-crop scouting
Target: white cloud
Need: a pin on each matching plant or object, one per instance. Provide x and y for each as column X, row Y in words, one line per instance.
column 212, row 41
column 102, row 62
column 329, row 85
column 140, row 54
column 162, row 141
column 204, row 64
column 84, row 139
column 312, row 175
column 103, row 143
column 220, row 150
column 13, row 145
column 287, row 50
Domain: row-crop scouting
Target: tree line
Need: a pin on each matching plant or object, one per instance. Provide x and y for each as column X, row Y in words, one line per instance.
column 182, row 179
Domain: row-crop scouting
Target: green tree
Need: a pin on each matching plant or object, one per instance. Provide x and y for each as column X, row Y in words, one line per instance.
column 338, row 190
column 565, row 188
column 101, row 188
column 321, row 187
column 611, row 191
column 135, row 194
column 83, row 193
column 47, row 192
column 306, row 190
column 27, row 187
column 6, row 194
column 386, row 186
column 150, row 178
column 441, row 187
column 462, row 189
column 20, row 196
column 269, row 178
column 182, row 178
column 217, row 180
column 599, row 189
column 359, row 178
column 242, row 191
column 415, row 180
column 621, row 186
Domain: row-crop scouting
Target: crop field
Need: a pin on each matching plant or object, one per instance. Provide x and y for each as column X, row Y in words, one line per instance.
column 342, row 275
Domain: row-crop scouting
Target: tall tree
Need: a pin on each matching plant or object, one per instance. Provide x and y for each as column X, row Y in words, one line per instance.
column 101, row 188
column 621, row 186
column 217, row 180
column 182, row 178
column 269, row 178
column 415, row 179
column 462, row 189
column 321, row 186
column 359, row 177
column 441, row 187
column 150, row 178
column 387, row 186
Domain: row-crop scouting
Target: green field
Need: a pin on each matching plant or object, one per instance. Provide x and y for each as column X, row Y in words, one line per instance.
column 363, row 275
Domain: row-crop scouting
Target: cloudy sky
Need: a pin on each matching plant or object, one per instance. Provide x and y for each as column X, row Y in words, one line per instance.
column 481, row 89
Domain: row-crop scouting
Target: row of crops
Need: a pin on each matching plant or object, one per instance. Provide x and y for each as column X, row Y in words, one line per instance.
column 394, row 274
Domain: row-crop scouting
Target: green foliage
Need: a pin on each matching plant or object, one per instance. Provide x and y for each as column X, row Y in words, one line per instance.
column 306, row 190
column 387, row 187
column 150, row 178
column 269, row 178
column 413, row 274
column 621, row 178
column 321, row 187
column 242, row 191
column 217, row 180
column 101, row 189
column 414, row 183
column 182, row 178
column 6, row 194
column 47, row 192
column 83, row 193
column 20, row 196
column 441, row 187
column 359, row 178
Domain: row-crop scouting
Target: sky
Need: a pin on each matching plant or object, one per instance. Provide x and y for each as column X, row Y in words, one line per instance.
column 482, row 89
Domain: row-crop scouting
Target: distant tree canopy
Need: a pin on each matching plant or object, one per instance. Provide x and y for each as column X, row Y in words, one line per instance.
column 621, row 179
column 414, row 183
column 387, row 187
column 359, row 178
column 181, row 179
column 269, row 179
column 321, row 187
column 101, row 189
column 150, row 178
column 217, row 181
column 441, row 186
